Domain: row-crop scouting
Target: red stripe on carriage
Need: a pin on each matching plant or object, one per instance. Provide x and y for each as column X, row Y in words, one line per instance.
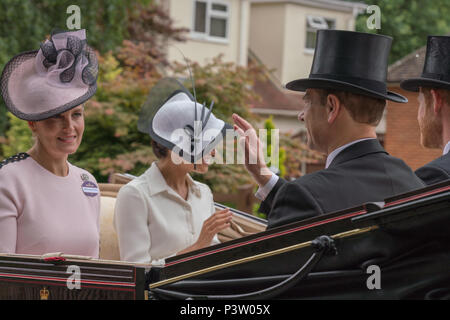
column 306, row 226
column 417, row 196
column 268, row 237
column 32, row 277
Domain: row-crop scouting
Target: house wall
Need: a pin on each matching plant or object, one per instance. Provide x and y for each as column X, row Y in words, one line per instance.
column 201, row 50
column 266, row 40
column 282, row 46
column 297, row 60
column 402, row 137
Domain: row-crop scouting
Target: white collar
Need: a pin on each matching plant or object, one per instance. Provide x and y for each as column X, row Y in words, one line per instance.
column 335, row 152
column 158, row 184
column 446, row 148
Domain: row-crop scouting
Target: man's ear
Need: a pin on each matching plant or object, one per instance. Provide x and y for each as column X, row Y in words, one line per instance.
column 333, row 107
column 437, row 101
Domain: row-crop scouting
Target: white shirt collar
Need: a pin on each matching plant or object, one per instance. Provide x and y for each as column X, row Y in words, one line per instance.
column 446, row 148
column 157, row 183
column 335, row 152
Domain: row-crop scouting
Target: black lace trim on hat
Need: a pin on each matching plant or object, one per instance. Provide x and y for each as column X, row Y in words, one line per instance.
column 15, row 158
column 11, row 66
column 70, row 57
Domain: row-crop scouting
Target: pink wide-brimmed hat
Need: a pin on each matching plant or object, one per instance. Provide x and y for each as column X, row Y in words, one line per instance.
column 61, row 75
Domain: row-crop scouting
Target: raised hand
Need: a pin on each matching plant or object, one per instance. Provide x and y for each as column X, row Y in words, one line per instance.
column 254, row 158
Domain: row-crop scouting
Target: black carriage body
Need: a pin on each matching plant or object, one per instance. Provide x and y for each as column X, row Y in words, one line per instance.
column 33, row 278
column 406, row 237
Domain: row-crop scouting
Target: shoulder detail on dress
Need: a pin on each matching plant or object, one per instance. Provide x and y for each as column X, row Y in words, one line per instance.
column 15, row 158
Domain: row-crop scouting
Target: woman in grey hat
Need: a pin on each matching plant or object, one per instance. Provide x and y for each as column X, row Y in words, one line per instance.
column 164, row 212
column 47, row 204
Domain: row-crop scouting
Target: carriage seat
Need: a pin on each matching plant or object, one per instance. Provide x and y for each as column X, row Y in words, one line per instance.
column 109, row 245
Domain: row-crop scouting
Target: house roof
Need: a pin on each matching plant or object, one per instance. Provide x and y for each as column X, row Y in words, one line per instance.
column 338, row 5
column 276, row 100
column 410, row 66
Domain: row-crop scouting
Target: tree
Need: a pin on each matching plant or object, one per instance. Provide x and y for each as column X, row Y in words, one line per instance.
column 111, row 141
column 269, row 126
column 19, row 137
column 24, row 24
column 409, row 22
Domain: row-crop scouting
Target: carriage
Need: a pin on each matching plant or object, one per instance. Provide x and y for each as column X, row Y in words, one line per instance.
column 398, row 249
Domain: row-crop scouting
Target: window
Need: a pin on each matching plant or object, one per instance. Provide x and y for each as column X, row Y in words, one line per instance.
column 211, row 19
column 312, row 25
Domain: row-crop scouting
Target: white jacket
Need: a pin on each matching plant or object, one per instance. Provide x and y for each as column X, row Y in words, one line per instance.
column 153, row 222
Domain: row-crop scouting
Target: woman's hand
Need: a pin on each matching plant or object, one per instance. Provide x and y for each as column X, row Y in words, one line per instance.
column 214, row 224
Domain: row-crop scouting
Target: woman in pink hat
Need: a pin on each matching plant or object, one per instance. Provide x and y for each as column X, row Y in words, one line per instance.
column 46, row 203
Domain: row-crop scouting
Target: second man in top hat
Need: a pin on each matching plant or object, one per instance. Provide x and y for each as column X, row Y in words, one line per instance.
column 344, row 101
column 434, row 109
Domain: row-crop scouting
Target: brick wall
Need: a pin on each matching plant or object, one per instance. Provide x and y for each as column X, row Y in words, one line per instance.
column 402, row 137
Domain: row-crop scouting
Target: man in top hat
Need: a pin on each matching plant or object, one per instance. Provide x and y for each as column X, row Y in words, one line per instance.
column 434, row 109
column 344, row 101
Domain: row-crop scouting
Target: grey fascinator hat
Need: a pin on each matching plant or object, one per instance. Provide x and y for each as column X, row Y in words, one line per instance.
column 174, row 119
column 61, row 75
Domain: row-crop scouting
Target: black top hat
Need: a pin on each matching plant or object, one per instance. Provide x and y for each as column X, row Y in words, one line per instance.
column 436, row 70
column 350, row 61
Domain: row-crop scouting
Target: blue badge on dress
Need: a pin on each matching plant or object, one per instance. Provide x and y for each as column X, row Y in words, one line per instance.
column 90, row 189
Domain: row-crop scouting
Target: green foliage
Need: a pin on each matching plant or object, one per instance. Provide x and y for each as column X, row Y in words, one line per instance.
column 24, row 24
column 3, row 123
column 269, row 126
column 111, row 141
column 19, row 137
column 282, row 162
column 256, row 212
column 409, row 22
column 130, row 39
column 229, row 86
column 225, row 83
column 296, row 153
